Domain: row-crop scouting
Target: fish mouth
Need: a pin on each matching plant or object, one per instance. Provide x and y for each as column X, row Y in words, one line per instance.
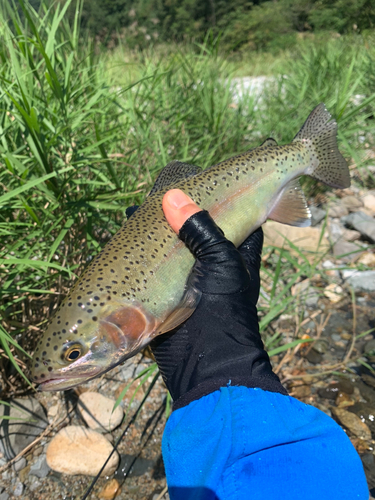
column 65, row 382
column 61, row 384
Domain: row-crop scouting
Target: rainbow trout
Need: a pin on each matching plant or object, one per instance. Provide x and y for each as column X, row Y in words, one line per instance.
column 137, row 286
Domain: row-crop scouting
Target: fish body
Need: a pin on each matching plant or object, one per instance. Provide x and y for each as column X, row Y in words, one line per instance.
column 137, row 286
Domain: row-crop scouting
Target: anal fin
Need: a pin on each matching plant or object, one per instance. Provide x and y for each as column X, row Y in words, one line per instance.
column 290, row 206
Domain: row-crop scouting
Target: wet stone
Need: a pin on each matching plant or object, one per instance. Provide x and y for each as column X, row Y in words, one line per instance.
column 368, row 462
column 368, row 379
column 343, row 400
column 320, row 346
column 366, row 413
column 132, row 465
column 314, row 357
column 332, row 390
column 110, row 490
column 352, row 422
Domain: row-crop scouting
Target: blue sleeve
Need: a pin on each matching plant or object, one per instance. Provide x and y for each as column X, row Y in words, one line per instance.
column 239, row 443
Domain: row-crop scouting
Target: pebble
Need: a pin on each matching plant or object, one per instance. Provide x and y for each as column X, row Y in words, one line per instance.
column 314, row 357
column 366, row 413
column 320, row 346
column 352, row 203
column 20, row 464
column 361, row 222
column 317, row 215
column 353, row 423
column 369, row 379
column 337, row 210
column 4, row 496
column 110, row 490
column 40, row 467
column 343, row 400
column 367, row 259
column 19, row 433
column 346, row 250
column 301, row 391
column 334, row 293
column 18, row 489
column 351, row 235
column 369, row 201
column 363, row 281
column 76, row 450
column 96, row 410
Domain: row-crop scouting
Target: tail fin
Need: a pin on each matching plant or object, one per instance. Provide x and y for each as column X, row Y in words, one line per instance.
column 319, row 136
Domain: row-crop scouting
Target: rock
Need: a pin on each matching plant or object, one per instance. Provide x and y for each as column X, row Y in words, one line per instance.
column 20, row 464
column 366, row 413
column 334, row 292
column 369, row 201
column 301, row 391
column 300, row 288
column 367, row 259
column 312, row 299
column 352, row 203
column 320, row 345
column 353, row 423
column 133, row 465
column 361, row 222
column 345, row 250
column 4, row 496
column 40, row 467
column 332, row 390
column 96, row 410
column 18, row 489
column 369, row 379
column 314, row 357
column 110, row 490
column 343, row 400
column 317, row 215
column 368, row 462
column 360, row 445
column 329, row 266
column 337, row 210
column 17, row 433
column 305, row 238
column 351, row 235
column 76, row 450
column 362, row 281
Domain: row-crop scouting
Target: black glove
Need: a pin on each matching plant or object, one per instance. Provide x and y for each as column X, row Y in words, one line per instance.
column 219, row 344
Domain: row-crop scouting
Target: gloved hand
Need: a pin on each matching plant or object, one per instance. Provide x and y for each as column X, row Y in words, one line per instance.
column 219, row 344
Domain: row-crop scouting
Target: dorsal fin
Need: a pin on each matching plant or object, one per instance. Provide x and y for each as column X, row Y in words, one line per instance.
column 290, row 206
column 268, row 143
column 173, row 172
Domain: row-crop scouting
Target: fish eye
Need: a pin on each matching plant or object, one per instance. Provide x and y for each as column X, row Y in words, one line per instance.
column 73, row 353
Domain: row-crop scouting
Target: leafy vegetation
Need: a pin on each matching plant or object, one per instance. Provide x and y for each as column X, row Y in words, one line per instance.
column 258, row 24
column 84, row 132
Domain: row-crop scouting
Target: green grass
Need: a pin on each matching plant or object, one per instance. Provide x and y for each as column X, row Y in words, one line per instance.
column 83, row 134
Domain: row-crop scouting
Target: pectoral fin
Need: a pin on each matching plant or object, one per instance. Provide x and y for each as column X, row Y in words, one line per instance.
column 183, row 311
column 290, row 206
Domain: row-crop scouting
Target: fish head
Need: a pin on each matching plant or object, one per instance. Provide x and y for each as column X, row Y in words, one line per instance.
column 87, row 337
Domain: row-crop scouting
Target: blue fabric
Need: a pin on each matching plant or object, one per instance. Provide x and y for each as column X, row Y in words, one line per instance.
column 240, row 443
